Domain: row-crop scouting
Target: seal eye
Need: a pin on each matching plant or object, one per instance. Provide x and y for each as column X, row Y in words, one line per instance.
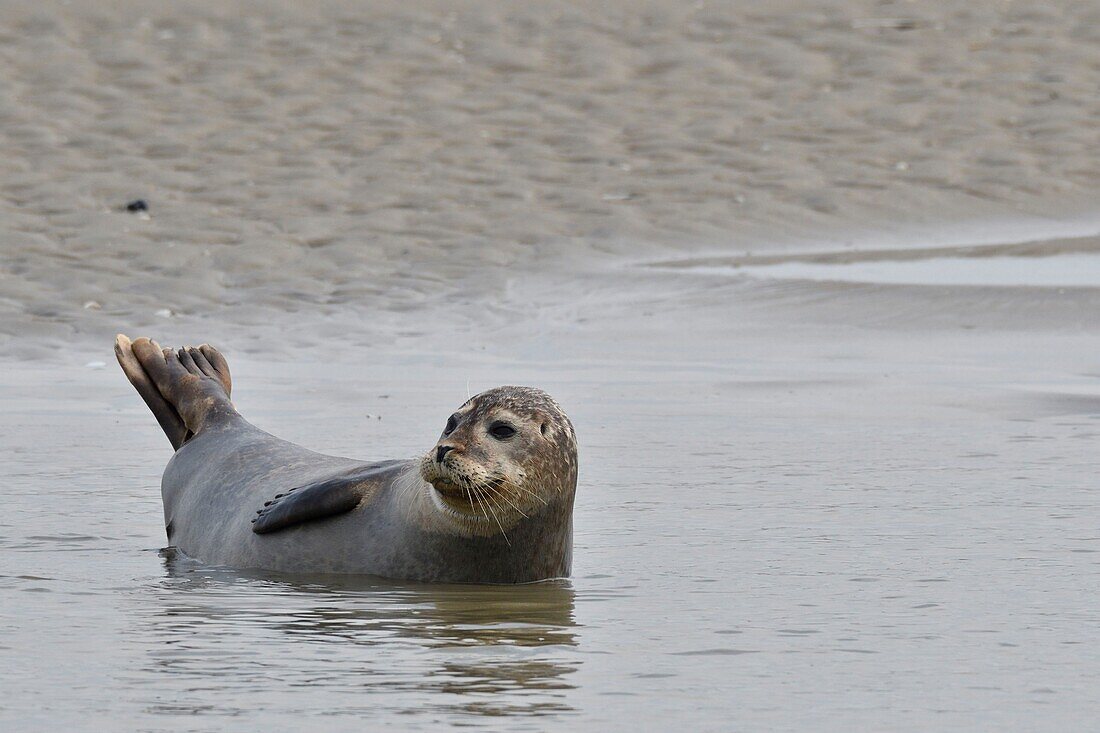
column 501, row 430
column 452, row 423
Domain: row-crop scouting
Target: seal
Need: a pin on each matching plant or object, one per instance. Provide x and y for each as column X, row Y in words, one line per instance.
column 491, row 502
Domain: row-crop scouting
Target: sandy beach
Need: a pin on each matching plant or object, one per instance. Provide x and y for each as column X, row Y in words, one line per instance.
column 412, row 156
column 818, row 282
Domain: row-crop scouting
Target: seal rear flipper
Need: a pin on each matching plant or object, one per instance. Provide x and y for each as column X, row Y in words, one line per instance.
column 185, row 389
column 170, row 420
column 323, row 499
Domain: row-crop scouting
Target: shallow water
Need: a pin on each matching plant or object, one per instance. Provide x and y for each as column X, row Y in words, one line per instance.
column 801, row 524
column 1063, row 271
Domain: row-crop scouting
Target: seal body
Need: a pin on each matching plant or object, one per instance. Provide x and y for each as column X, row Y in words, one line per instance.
column 237, row 496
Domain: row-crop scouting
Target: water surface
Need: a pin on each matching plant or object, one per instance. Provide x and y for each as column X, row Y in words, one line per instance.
column 800, row 523
column 1064, row 271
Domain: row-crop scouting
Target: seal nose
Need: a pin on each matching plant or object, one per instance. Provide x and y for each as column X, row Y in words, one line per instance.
column 442, row 451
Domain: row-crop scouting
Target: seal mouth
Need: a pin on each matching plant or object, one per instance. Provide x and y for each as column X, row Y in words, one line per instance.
column 468, row 497
column 461, row 501
column 455, row 493
column 444, row 476
column 450, row 488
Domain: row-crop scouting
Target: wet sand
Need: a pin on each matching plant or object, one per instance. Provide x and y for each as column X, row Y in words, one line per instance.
column 810, row 498
column 414, row 155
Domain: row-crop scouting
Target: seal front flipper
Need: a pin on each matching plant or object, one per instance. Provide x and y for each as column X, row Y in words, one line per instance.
column 313, row 501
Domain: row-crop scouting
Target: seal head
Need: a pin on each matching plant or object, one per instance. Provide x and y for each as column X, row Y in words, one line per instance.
column 506, row 455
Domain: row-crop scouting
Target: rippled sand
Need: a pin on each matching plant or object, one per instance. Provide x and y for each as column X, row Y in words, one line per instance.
column 816, row 494
column 408, row 155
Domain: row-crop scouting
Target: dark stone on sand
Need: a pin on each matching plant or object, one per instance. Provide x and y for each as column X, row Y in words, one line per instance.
column 137, row 205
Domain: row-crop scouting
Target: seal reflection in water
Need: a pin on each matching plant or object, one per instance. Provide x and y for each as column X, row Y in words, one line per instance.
column 491, row 502
column 506, row 650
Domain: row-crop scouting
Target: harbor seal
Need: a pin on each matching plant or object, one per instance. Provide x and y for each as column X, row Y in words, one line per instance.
column 491, row 502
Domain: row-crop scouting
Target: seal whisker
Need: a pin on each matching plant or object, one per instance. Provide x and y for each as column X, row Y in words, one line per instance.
column 489, row 505
column 497, row 492
column 468, row 488
column 500, row 480
column 531, row 494
column 525, row 490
